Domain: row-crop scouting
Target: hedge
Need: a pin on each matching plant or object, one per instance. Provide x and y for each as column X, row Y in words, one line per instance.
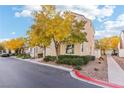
column 24, row 56
column 74, row 60
column 49, row 58
column 71, row 61
column 87, row 57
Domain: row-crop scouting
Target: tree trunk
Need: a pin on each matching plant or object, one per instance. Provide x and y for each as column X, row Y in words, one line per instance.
column 114, row 51
column 44, row 52
column 57, row 47
column 34, row 53
column 57, row 51
column 104, row 52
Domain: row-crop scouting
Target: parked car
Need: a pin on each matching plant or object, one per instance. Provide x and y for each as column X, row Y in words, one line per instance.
column 4, row 55
column 114, row 53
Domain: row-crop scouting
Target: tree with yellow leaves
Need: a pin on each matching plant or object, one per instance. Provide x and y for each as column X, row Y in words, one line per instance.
column 51, row 25
column 15, row 44
column 1, row 46
column 104, row 45
column 114, row 43
column 108, row 43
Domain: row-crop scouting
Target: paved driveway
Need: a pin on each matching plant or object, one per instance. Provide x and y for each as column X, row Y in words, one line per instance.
column 19, row 74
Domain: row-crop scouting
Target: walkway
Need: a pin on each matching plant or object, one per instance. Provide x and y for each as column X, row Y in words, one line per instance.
column 115, row 72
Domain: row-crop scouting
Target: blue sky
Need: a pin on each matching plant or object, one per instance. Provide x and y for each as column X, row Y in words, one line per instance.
column 16, row 20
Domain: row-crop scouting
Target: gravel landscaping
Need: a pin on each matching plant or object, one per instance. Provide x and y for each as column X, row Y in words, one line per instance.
column 120, row 61
column 96, row 69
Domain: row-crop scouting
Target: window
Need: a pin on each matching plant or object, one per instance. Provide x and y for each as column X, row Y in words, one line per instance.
column 70, row 49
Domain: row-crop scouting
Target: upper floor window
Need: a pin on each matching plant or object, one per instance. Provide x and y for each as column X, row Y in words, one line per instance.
column 70, row 49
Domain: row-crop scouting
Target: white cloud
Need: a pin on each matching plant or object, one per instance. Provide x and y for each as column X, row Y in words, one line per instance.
column 5, row 39
column 106, row 11
column 33, row 7
column 27, row 11
column 24, row 13
column 13, row 33
column 90, row 11
column 105, row 33
column 113, row 27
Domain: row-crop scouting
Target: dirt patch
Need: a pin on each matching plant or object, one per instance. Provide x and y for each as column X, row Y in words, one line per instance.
column 120, row 61
column 96, row 69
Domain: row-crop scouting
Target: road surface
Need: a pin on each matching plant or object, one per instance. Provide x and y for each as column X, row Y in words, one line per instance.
column 19, row 74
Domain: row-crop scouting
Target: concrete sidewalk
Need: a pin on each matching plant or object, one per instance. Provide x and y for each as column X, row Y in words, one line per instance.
column 115, row 72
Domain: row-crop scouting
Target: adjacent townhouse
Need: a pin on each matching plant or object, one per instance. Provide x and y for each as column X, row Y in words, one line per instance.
column 121, row 45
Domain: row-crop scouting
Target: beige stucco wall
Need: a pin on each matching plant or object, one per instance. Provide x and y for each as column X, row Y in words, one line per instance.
column 97, row 53
column 50, row 50
column 35, row 51
column 89, row 46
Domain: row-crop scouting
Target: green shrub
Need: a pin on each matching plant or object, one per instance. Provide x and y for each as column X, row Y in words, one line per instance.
column 40, row 55
column 75, row 58
column 87, row 57
column 13, row 54
column 69, row 56
column 49, row 58
column 19, row 55
column 91, row 58
column 78, row 68
column 71, row 61
column 24, row 56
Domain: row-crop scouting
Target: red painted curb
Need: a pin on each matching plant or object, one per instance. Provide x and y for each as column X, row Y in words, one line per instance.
column 78, row 74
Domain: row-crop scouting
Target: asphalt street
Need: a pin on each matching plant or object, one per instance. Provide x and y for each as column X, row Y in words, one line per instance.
column 20, row 74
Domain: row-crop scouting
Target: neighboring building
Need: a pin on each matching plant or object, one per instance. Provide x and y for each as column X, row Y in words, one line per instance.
column 121, row 45
column 87, row 48
column 122, row 40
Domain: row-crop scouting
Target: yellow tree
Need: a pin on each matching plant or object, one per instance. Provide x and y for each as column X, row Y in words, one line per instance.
column 51, row 25
column 1, row 46
column 15, row 44
column 114, row 40
column 35, row 39
column 108, row 43
column 104, row 44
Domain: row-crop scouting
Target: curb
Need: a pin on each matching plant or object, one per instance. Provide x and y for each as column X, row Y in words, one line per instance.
column 43, row 64
column 103, row 83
